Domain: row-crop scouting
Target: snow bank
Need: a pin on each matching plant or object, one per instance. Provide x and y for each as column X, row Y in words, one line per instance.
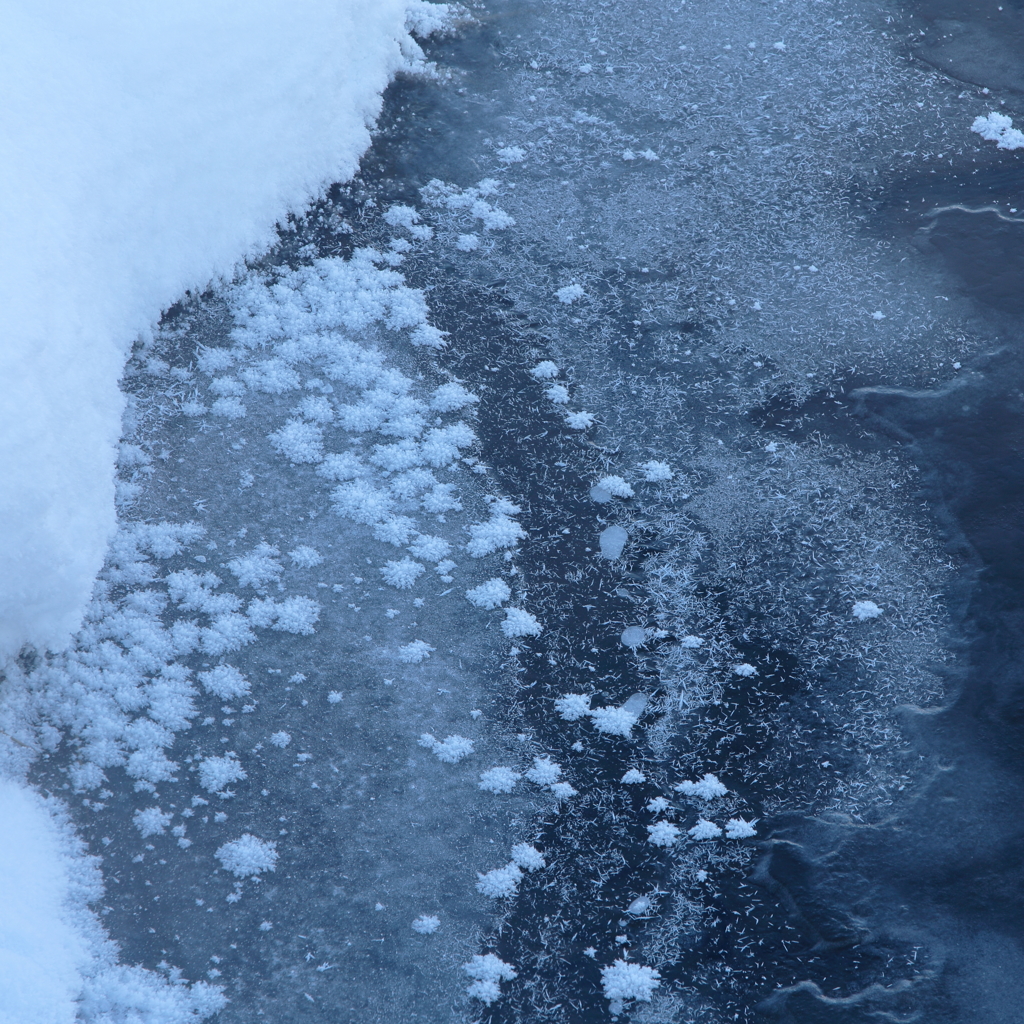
column 56, row 967
column 146, row 150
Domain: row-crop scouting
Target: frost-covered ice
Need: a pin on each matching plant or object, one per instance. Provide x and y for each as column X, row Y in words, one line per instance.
column 247, row 856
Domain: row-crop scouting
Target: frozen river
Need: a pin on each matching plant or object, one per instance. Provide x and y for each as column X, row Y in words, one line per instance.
column 683, row 337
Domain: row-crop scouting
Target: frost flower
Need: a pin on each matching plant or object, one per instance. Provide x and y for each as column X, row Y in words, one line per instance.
column 450, row 750
column 624, row 980
column 662, row 833
column 520, row 623
column 499, row 780
column 706, row 789
column 573, row 706
column 998, row 128
column 615, row 486
column 737, row 828
column 745, row 670
column 570, row 293
column 498, row 532
column 634, row 777
column 655, row 472
column 500, row 882
column 544, row 772
column 415, row 652
column 426, row 924
column 247, row 856
column 151, row 821
column 864, row 610
column 613, row 721
column 489, row 972
column 545, row 370
column 402, row 574
column 217, row 773
column 581, row 420
column 528, row 857
column 489, row 595
column 704, row 830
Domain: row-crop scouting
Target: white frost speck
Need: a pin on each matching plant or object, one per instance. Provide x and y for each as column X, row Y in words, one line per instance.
column 864, row 610
column 499, row 780
column 247, row 856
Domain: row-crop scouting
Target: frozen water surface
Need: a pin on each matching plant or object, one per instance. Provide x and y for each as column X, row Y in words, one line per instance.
column 352, row 712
